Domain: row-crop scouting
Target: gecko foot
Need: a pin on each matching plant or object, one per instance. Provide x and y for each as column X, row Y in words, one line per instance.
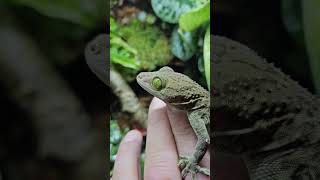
column 188, row 166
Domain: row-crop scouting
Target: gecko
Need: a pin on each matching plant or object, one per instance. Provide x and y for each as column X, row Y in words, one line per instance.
column 262, row 115
column 181, row 92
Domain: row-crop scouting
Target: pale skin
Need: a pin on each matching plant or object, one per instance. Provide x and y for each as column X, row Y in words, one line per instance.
column 169, row 134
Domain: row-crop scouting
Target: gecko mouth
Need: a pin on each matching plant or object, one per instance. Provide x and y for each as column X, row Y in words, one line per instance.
column 235, row 132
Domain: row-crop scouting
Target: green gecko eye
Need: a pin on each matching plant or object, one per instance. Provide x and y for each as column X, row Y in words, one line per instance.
column 157, row 83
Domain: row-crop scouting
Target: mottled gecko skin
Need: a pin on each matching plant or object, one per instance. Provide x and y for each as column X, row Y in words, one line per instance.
column 263, row 115
column 181, row 92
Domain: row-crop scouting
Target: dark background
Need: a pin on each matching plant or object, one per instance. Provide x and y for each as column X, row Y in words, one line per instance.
column 53, row 108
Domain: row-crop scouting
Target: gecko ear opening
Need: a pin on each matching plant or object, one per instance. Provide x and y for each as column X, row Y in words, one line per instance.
column 166, row 69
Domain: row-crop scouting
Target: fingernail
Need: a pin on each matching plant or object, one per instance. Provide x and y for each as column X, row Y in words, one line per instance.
column 157, row 103
column 133, row 135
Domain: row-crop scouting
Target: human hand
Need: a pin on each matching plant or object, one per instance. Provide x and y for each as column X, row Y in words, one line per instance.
column 169, row 134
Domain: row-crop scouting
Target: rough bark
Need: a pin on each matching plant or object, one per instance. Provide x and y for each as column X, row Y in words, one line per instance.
column 128, row 98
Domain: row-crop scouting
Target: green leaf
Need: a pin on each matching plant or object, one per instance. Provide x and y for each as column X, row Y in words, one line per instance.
column 113, row 26
column 311, row 18
column 123, row 59
column 120, row 51
column 183, row 44
column 85, row 13
column 170, row 10
column 121, row 43
column 123, row 54
column 195, row 18
column 292, row 19
column 206, row 55
column 201, row 65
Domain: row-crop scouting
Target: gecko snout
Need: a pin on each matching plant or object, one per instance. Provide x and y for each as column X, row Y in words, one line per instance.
column 144, row 79
column 143, row 76
column 140, row 76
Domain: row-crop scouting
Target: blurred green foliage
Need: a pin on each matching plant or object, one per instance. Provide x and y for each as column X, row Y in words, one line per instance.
column 120, row 51
column 61, row 28
column 183, row 44
column 187, row 39
column 113, row 3
column 292, row 19
column 150, row 42
column 171, row 10
column 194, row 18
column 206, row 56
column 137, row 46
column 82, row 12
column 116, row 135
column 302, row 21
column 311, row 24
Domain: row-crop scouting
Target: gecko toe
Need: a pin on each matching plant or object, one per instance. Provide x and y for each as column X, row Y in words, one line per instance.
column 183, row 162
column 189, row 167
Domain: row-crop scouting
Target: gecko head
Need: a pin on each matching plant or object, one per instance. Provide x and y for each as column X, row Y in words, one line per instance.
column 155, row 82
column 172, row 87
column 96, row 54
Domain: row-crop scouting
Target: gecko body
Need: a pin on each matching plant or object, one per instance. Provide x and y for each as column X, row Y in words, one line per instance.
column 263, row 115
column 179, row 91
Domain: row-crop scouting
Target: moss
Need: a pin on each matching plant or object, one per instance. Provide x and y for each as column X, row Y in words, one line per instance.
column 150, row 42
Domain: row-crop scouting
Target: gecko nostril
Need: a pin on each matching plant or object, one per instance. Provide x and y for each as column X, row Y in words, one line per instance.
column 140, row 76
